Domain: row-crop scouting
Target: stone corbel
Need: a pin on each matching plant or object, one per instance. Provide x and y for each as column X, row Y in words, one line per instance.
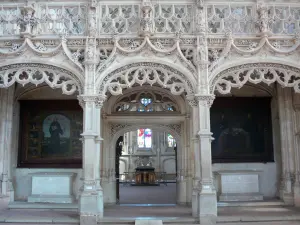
column 27, row 21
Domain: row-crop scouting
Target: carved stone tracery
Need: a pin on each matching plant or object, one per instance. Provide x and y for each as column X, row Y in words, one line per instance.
column 156, row 102
column 34, row 73
column 255, row 73
column 116, row 127
column 146, row 73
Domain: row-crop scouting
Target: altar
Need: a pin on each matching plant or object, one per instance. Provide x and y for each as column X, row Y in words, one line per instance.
column 145, row 176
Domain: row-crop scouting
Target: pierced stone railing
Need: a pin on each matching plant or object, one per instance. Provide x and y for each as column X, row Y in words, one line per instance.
column 71, row 18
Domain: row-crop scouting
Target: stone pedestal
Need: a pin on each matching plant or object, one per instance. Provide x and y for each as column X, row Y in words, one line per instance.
column 239, row 186
column 52, row 188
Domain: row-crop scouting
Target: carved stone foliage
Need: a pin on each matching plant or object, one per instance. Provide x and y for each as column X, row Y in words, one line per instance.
column 203, row 100
column 38, row 74
column 146, row 73
column 114, row 128
column 146, row 101
column 268, row 73
column 89, row 100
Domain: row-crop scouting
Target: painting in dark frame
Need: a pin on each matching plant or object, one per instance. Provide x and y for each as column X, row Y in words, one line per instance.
column 242, row 130
column 50, row 134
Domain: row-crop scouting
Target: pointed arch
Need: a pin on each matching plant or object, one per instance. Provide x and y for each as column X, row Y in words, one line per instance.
column 38, row 73
column 146, row 72
column 257, row 72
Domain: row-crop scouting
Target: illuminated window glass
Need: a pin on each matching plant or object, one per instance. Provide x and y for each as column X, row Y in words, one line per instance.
column 171, row 141
column 144, row 138
column 145, row 107
column 146, row 101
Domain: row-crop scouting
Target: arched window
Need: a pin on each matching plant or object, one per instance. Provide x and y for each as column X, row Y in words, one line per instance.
column 144, row 138
column 146, row 102
column 171, row 141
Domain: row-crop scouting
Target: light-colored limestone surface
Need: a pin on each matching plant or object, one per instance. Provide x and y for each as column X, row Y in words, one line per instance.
column 188, row 51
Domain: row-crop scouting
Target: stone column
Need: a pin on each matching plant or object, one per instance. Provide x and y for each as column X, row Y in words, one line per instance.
column 6, row 122
column 286, row 115
column 189, row 178
column 181, row 170
column 91, row 196
column 207, row 193
column 195, row 155
column 276, row 141
column 296, row 106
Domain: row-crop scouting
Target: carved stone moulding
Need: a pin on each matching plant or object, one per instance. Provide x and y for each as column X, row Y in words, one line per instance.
column 35, row 73
column 238, row 76
column 146, row 73
column 175, row 128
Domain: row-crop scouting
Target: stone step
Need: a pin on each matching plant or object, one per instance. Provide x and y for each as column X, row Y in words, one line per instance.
column 164, row 220
column 148, row 222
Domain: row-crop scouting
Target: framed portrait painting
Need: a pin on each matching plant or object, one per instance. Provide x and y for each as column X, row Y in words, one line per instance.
column 50, row 134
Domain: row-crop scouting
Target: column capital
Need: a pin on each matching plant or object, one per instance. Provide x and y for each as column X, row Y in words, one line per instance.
column 203, row 100
column 204, row 134
column 98, row 100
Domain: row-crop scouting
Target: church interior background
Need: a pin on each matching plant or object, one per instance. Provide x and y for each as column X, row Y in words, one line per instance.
column 198, row 98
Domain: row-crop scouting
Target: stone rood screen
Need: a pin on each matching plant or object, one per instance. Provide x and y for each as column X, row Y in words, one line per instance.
column 58, row 18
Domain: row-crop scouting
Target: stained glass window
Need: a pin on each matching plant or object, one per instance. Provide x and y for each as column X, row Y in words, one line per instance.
column 145, row 107
column 144, row 138
column 171, row 141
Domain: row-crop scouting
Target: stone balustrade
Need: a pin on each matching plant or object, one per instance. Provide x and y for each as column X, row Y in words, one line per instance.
column 166, row 17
